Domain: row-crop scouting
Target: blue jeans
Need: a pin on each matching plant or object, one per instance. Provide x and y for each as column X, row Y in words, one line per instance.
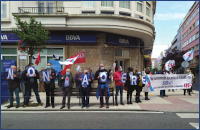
column 162, row 92
column 121, row 93
column 10, row 91
column 22, row 86
column 60, row 88
column 91, row 85
column 28, row 94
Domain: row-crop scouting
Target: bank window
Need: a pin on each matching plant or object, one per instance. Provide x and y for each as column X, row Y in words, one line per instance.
column 9, row 51
column 88, row 3
column 139, row 6
column 148, row 9
column 124, row 4
column 118, row 52
column 4, row 9
column 107, row 3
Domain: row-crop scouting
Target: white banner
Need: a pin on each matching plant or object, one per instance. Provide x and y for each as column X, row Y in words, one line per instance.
column 172, row 81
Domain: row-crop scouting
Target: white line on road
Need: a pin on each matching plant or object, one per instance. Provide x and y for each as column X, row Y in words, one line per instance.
column 188, row 115
column 195, row 125
column 78, row 112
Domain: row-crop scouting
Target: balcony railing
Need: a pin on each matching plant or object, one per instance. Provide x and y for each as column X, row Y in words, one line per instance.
column 43, row 10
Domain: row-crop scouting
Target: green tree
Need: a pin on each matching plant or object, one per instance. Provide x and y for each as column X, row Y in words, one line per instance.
column 32, row 34
column 155, row 69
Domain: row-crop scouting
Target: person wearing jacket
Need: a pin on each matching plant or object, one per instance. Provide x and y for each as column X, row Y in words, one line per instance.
column 21, row 89
column 67, row 82
column 102, row 86
column 13, row 86
column 139, row 86
column 41, row 82
column 128, row 84
column 85, row 91
column 50, row 85
column 31, row 83
column 147, row 71
column 77, row 80
column 162, row 92
column 119, row 86
column 110, row 79
column 59, row 82
column 188, row 71
column 92, row 76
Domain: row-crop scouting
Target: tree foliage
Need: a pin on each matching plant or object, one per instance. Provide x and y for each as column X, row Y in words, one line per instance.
column 174, row 55
column 32, row 34
column 155, row 69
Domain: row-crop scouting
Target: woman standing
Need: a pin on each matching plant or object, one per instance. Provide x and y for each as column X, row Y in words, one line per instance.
column 128, row 84
column 138, row 88
column 146, row 91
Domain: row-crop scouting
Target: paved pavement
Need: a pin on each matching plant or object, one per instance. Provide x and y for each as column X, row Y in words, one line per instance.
column 98, row 120
column 175, row 102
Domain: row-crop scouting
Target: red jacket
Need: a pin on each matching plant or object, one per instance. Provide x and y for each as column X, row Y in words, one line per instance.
column 116, row 77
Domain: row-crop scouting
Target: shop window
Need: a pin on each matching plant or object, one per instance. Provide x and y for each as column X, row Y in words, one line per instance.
column 8, row 50
column 88, row 3
column 118, row 52
column 139, row 6
column 107, row 3
column 124, row 4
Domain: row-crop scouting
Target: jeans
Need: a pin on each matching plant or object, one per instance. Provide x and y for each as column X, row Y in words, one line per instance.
column 104, row 92
column 16, row 91
column 91, row 85
column 162, row 92
column 22, row 86
column 28, row 94
column 121, row 93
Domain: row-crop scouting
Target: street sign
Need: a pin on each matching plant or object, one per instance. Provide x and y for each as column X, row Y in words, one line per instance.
column 22, row 57
column 185, row 64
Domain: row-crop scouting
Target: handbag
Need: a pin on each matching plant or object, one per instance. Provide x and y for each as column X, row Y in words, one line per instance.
column 125, row 87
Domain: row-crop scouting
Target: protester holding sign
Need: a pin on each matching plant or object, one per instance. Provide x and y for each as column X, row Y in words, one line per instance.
column 31, row 75
column 50, row 85
column 14, row 85
column 85, row 89
column 146, row 90
column 171, row 72
column 102, row 76
column 162, row 92
column 67, row 82
column 129, row 86
column 78, row 81
column 188, row 71
column 119, row 85
column 41, row 82
column 138, row 88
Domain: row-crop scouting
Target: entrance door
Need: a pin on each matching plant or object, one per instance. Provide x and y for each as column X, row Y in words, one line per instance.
column 119, row 63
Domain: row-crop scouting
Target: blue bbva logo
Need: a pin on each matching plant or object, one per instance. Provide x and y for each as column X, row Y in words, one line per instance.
column 167, row 82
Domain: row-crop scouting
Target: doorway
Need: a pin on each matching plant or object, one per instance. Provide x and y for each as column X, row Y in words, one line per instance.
column 124, row 63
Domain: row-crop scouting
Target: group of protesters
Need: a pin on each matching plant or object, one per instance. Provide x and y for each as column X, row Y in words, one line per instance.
column 66, row 82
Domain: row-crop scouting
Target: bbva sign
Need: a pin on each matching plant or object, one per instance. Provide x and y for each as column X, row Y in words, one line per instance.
column 72, row 37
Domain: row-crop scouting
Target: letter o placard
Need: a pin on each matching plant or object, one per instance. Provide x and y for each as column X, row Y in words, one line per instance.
column 31, row 71
column 103, row 76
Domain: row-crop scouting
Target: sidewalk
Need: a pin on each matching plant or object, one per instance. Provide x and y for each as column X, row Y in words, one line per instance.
column 175, row 102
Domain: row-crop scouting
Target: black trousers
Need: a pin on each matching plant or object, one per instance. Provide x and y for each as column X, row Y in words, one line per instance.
column 138, row 90
column 129, row 93
column 67, row 92
column 49, row 92
column 146, row 94
column 189, row 90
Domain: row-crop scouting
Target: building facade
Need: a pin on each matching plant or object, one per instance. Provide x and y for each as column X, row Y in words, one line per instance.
column 108, row 32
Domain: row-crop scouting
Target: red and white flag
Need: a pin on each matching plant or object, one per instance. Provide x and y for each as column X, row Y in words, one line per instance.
column 37, row 61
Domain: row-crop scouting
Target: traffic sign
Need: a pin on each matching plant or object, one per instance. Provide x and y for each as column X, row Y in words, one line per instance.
column 185, row 64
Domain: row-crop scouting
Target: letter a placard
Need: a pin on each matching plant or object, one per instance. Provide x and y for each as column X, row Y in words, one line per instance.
column 103, row 76
column 85, row 79
column 31, row 71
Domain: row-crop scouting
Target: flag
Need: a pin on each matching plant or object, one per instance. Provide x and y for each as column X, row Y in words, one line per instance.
column 158, row 59
column 172, row 62
column 189, row 55
column 80, row 59
column 168, row 65
column 56, row 57
column 37, row 61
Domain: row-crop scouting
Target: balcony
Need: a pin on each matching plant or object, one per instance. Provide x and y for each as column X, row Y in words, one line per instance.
column 40, row 10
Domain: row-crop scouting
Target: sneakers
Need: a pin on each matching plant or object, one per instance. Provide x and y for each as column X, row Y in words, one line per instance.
column 10, row 106
column 40, row 104
column 17, row 106
column 87, row 106
column 24, row 106
column 107, row 106
column 122, row 103
column 83, row 106
column 116, row 104
column 100, row 106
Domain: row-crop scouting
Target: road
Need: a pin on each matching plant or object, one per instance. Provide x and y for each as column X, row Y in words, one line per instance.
column 98, row 120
